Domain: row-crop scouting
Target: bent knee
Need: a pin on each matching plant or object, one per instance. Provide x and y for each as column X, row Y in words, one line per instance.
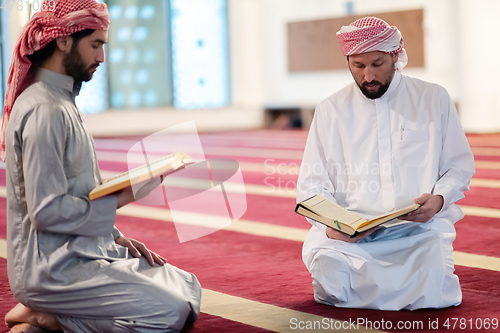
column 177, row 313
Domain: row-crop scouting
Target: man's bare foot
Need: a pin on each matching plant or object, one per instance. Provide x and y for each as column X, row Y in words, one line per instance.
column 37, row 319
column 27, row 328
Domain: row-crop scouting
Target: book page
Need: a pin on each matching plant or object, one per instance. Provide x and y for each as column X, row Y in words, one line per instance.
column 331, row 210
column 164, row 165
column 324, row 220
column 390, row 216
column 146, row 168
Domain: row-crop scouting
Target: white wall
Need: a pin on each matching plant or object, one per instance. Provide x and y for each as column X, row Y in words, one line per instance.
column 479, row 51
column 461, row 50
column 17, row 19
column 278, row 87
column 245, row 52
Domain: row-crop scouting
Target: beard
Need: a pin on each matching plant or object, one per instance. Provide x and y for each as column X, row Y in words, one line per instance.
column 382, row 87
column 75, row 67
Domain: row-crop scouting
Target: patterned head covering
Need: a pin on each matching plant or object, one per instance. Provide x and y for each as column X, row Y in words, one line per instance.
column 58, row 18
column 372, row 34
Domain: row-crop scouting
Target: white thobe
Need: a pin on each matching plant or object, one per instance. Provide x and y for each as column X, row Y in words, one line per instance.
column 62, row 257
column 375, row 156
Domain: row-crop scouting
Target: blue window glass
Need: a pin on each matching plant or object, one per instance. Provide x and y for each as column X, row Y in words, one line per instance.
column 94, row 96
column 168, row 52
column 139, row 57
column 200, row 64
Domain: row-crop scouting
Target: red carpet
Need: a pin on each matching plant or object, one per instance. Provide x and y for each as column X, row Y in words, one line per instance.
column 270, row 270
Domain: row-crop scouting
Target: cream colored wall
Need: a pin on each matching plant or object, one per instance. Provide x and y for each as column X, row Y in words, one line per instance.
column 247, row 56
column 283, row 88
column 479, row 74
column 461, row 51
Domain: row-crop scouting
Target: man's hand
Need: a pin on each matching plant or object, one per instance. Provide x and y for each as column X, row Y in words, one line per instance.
column 124, row 197
column 127, row 195
column 335, row 234
column 138, row 249
column 430, row 204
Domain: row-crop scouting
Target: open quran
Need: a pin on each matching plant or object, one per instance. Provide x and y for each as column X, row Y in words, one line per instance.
column 159, row 168
column 334, row 216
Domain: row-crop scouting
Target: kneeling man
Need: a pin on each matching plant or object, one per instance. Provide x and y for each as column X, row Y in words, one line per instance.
column 382, row 143
column 68, row 265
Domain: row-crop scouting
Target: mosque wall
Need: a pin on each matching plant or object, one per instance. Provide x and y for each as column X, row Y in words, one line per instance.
column 460, row 50
column 478, row 57
column 279, row 87
column 460, row 46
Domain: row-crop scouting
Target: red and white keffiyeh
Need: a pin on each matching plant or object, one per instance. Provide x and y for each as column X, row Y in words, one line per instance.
column 372, row 34
column 63, row 19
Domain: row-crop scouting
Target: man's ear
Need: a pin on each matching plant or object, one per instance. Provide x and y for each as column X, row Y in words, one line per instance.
column 64, row 43
column 395, row 57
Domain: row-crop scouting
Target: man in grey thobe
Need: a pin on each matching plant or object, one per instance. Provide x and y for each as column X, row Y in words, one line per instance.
column 63, row 256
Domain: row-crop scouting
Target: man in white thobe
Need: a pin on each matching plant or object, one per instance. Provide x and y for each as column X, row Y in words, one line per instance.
column 382, row 143
column 68, row 265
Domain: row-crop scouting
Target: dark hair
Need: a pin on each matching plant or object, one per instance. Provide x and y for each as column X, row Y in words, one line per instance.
column 38, row 57
column 80, row 34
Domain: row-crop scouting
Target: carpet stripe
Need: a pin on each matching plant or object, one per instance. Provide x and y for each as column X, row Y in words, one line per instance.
column 264, row 190
column 482, row 151
column 491, row 183
column 226, row 151
column 275, row 191
column 480, row 211
column 293, row 153
column 286, row 139
column 261, row 315
column 476, row 261
column 487, row 165
column 285, row 153
column 484, row 140
column 3, row 248
column 216, row 141
column 267, row 166
column 267, row 190
column 203, row 220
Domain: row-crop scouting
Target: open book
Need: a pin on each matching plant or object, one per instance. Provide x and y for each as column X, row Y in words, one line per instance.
column 142, row 174
column 329, row 213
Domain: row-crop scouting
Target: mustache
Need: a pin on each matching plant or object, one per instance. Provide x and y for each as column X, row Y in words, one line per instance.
column 364, row 84
column 95, row 65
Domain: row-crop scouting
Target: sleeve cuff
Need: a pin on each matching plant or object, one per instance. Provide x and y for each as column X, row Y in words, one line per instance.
column 116, row 233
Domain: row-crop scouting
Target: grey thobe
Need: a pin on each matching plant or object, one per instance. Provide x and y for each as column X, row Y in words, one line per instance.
column 62, row 257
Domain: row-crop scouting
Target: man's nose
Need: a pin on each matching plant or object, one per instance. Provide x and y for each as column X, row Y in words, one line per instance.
column 100, row 55
column 369, row 74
